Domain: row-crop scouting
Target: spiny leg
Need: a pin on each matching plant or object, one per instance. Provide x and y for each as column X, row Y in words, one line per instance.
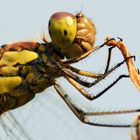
column 109, row 58
column 90, row 74
column 110, row 52
column 89, row 84
column 83, row 73
column 74, row 60
column 109, row 55
column 90, row 96
column 81, row 115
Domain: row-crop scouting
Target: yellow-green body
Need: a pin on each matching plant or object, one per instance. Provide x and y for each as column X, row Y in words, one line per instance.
column 25, row 72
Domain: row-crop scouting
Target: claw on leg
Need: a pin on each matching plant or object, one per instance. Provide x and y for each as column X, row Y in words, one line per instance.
column 134, row 75
column 120, row 39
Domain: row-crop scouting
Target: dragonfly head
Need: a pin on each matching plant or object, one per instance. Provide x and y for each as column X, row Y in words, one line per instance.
column 69, row 35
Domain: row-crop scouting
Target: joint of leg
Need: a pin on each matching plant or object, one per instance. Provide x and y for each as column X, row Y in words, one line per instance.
column 84, row 119
column 112, row 48
column 91, row 98
column 134, row 57
column 125, row 76
column 108, row 40
column 65, row 96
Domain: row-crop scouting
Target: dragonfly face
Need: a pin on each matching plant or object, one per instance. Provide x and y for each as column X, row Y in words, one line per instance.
column 73, row 34
column 62, row 29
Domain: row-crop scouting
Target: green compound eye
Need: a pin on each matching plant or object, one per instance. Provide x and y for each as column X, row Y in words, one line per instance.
column 62, row 29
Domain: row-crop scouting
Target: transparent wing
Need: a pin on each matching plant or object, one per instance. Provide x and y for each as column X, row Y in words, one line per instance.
column 47, row 117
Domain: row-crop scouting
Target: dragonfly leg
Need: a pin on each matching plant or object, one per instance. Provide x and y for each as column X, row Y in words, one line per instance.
column 82, row 115
column 109, row 59
column 91, row 96
column 84, row 73
column 100, row 77
column 90, row 74
column 74, row 60
column 109, row 55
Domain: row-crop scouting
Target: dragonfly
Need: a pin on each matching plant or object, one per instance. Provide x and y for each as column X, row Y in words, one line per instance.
column 28, row 68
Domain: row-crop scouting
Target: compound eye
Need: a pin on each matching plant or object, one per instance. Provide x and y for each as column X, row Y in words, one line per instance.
column 62, row 28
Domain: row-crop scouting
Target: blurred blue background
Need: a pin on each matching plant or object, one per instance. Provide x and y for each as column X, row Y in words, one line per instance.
column 47, row 117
